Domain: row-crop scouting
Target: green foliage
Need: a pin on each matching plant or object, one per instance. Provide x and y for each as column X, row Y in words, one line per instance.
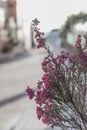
column 71, row 20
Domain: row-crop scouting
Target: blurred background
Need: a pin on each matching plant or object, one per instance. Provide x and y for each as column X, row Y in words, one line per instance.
column 61, row 21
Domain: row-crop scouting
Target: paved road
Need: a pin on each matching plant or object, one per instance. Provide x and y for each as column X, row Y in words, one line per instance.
column 14, row 78
column 15, row 108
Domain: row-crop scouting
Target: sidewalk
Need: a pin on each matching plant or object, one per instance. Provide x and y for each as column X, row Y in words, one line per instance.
column 20, row 114
column 29, row 121
column 11, row 56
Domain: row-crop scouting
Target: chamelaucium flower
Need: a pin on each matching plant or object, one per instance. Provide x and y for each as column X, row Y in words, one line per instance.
column 61, row 95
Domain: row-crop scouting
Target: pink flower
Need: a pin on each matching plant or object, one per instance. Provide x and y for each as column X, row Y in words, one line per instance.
column 39, row 84
column 36, row 21
column 60, row 60
column 78, row 41
column 45, row 120
column 39, row 112
column 30, row 92
column 46, row 79
column 38, row 101
column 54, row 60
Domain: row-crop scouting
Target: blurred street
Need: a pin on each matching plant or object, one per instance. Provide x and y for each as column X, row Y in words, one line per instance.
column 14, row 77
column 17, row 112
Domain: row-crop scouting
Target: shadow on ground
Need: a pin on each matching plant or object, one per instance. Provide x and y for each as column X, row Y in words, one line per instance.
column 15, row 58
column 12, row 99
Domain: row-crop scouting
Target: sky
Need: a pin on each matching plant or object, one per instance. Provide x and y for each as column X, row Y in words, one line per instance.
column 51, row 13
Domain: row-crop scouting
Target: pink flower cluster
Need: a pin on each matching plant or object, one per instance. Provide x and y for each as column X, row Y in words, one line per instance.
column 30, row 92
column 38, row 35
column 62, row 84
